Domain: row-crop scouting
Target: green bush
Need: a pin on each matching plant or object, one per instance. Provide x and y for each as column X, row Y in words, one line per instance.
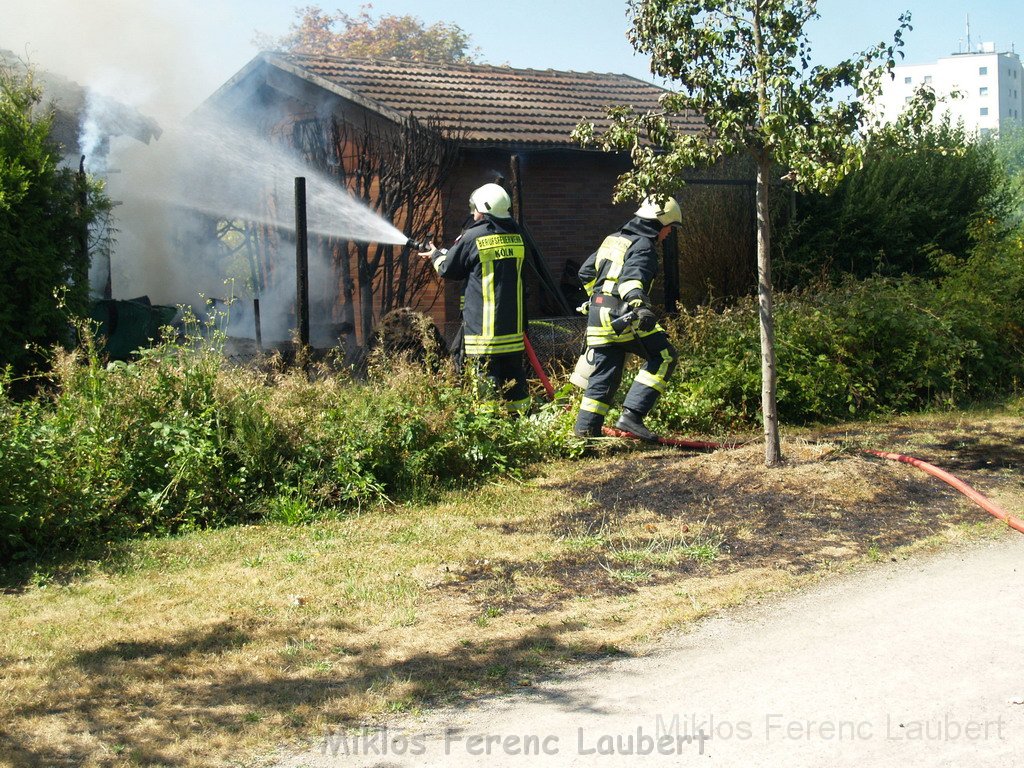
column 176, row 440
column 44, row 215
column 916, row 194
column 880, row 345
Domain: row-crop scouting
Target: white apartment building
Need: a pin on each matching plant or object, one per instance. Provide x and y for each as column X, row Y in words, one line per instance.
column 991, row 87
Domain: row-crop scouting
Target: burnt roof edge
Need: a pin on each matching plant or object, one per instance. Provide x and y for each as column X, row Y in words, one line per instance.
column 338, row 90
column 271, row 59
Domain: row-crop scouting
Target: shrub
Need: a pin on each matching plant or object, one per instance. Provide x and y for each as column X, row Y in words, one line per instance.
column 915, row 195
column 178, row 440
column 879, row 345
column 44, row 215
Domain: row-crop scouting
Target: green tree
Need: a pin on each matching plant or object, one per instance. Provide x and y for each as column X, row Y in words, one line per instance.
column 745, row 67
column 45, row 212
column 916, row 196
column 363, row 36
column 1009, row 149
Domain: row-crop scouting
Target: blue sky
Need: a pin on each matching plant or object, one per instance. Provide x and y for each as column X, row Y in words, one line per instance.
column 165, row 56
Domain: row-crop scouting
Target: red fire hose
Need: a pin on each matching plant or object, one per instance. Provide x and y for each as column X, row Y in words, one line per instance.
column 978, row 498
column 699, row 445
column 982, row 501
column 535, row 363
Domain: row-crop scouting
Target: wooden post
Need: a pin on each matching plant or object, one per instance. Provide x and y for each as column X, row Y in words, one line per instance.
column 670, row 261
column 250, row 232
column 301, row 263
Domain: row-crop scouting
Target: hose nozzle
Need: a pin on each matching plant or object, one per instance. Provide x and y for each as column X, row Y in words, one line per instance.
column 622, row 322
column 417, row 245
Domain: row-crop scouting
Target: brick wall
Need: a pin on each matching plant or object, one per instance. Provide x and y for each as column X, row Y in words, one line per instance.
column 566, row 204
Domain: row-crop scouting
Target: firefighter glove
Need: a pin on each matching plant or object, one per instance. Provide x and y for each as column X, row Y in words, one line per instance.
column 645, row 319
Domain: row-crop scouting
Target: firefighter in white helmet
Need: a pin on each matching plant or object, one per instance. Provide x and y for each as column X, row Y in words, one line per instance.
column 489, row 256
column 618, row 278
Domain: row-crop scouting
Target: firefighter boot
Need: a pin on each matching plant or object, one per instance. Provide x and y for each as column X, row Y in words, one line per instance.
column 633, row 422
column 588, row 424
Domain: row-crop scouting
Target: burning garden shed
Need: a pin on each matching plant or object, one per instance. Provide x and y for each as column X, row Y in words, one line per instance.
column 411, row 140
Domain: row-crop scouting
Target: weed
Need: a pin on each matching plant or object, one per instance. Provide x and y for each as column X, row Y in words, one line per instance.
column 176, row 441
column 490, row 612
column 497, row 671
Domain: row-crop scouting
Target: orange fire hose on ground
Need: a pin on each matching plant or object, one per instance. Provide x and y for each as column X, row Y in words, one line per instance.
column 701, row 445
column 981, row 500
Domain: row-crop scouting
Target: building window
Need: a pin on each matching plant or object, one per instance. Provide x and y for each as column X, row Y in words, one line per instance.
column 927, row 78
column 908, row 80
column 982, row 70
column 984, row 111
column 983, row 91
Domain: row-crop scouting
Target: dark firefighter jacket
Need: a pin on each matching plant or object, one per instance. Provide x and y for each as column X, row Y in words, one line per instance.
column 489, row 255
column 621, row 270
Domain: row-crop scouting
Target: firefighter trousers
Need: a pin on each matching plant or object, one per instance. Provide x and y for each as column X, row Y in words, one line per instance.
column 504, row 376
column 609, row 362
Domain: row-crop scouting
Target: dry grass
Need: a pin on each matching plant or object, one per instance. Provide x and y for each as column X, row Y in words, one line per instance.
column 212, row 648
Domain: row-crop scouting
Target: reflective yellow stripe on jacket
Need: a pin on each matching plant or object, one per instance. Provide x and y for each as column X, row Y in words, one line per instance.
column 613, row 250
column 496, row 251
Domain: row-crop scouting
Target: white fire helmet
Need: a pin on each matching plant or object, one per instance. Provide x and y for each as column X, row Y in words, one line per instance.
column 491, row 199
column 667, row 213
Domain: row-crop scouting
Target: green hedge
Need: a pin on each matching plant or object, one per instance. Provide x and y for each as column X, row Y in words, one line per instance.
column 176, row 440
column 915, row 195
column 863, row 347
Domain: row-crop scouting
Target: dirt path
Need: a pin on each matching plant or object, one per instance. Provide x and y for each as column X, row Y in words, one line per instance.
column 906, row 664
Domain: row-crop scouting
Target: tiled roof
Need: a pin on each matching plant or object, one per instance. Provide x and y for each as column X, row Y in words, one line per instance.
column 493, row 105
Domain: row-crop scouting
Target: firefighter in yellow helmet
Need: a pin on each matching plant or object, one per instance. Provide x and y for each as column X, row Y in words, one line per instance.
column 489, row 256
column 618, row 278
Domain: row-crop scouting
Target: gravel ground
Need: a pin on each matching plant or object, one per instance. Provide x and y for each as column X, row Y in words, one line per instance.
column 913, row 663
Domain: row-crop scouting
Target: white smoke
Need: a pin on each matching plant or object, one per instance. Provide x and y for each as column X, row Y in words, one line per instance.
column 159, row 56
column 163, row 58
column 214, row 169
